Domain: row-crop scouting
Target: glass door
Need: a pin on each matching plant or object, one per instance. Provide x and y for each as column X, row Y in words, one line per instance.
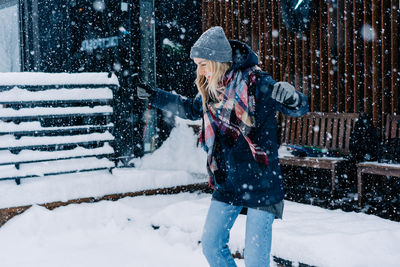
column 9, row 37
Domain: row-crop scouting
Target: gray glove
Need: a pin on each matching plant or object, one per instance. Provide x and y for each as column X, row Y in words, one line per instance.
column 144, row 91
column 286, row 94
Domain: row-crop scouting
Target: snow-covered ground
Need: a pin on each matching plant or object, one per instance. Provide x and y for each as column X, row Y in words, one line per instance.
column 153, row 231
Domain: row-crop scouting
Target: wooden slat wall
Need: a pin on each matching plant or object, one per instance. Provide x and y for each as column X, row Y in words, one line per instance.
column 347, row 62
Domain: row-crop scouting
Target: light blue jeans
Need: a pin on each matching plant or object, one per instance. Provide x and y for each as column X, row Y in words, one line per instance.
column 219, row 221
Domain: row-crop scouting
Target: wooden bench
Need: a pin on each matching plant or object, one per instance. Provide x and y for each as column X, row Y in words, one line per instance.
column 392, row 130
column 55, row 123
column 329, row 131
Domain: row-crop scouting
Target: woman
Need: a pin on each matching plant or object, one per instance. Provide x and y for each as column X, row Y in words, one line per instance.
column 237, row 103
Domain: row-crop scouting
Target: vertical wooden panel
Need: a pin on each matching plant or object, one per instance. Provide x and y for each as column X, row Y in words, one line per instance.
column 335, row 128
column 386, row 54
column 387, row 127
column 287, row 133
column 304, row 134
column 298, row 76
column 341, row 136
column 216, row 13
column 293, row 131
column 316, row 130
column 221, row 8
column 310, row 130
column 267, row 32
column 357, row 54
column 246, row 23
column 376, row 59
column 254, row 26
column 314, row 71
column 204, row 14
column 235, row 22
column 348, row 58
column 367, row 34
column 323, row 56
column 299, row 125
column 331, row 83
column 305, row 68
column 291, row 60
column 282, row 48
column 261, row 22
column 324, row 123
column 275, row 40
column 239, row 19
column 340, row 63
column 393, row 128
column 349, row 126
column 230, row 20
column 395, row 70
column 297, row 49
column 227, row 20
column 210, row 12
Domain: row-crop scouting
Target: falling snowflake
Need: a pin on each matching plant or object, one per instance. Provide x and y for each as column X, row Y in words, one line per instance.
column 368, row 33
column 99, row 5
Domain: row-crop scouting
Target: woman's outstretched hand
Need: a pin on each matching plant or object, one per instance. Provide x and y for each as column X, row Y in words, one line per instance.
column 286, row 94
column 144, row 91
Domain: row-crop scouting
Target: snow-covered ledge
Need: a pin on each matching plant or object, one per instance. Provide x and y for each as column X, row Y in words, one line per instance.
column 40, row 78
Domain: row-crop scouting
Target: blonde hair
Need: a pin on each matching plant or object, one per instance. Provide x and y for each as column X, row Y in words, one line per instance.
column 212, row 89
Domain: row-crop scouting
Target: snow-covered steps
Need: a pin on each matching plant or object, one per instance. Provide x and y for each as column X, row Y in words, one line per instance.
column 28, row 156
column 55, row 123
column 33, row 128
column 55, row 167
column 51, row 112
column 16, row 94
column 32, row 142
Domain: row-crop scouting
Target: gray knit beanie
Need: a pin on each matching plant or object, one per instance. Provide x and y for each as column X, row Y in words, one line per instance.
column 212, row 45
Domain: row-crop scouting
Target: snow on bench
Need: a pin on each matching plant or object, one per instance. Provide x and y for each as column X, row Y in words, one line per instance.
column 9, row 142
column 25, row 156
column 11, row 114
column 17, row 95
column 34, row 128
column 55, row 123
column 27, row 170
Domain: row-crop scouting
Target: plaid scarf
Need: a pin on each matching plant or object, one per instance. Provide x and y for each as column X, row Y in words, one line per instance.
column 233, row 116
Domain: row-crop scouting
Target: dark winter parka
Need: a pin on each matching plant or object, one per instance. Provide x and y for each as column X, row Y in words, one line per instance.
column 241, row 180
